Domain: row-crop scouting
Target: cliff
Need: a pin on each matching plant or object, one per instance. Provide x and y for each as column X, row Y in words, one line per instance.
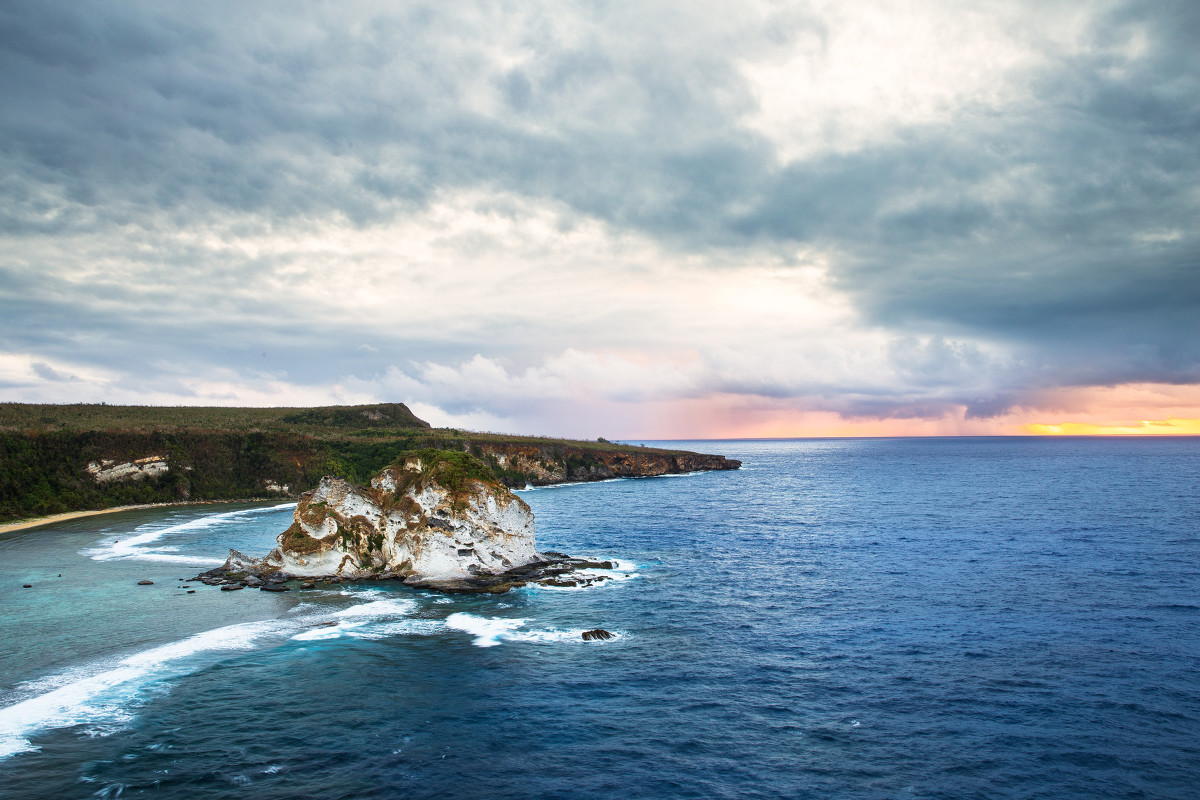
column 539, row 464
column 435, row 519
column 434, row 516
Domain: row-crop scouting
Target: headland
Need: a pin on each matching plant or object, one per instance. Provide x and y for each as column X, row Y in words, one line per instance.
column 57, row 459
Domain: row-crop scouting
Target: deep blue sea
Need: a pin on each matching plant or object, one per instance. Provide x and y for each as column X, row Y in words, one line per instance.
column 868, row 618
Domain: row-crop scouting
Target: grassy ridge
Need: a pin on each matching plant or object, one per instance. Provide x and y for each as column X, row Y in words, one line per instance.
column 327, row 421
column 222, row 453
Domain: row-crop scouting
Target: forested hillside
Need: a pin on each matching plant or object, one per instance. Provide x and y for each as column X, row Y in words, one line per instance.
column 56, row 458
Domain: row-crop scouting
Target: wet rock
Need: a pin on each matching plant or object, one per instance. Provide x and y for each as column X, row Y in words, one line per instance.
column 26, row 585
column 308, row 585
column 252, row 582
column 599, row 634
column 191, row 591
column 273, row 587
column 145, row 583
column 556, row 570
column 232, row 587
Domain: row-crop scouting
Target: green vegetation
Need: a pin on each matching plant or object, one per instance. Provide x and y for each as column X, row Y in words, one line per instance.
column 232, row 453
column 453, row 470
column 331, row 420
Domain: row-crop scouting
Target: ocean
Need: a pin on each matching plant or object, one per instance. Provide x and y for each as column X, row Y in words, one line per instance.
column 865, row 618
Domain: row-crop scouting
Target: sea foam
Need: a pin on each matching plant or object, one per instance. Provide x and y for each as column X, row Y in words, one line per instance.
column 494, row 631
column 102, row 696
column 135, row 546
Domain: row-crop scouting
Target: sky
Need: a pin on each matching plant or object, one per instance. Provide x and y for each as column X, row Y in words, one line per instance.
column 622, row 219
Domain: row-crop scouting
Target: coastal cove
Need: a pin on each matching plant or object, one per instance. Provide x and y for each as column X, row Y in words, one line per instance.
column 55, row 519
column 932, row 618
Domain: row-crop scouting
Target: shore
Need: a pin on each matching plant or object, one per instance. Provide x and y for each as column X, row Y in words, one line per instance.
column 37, row 522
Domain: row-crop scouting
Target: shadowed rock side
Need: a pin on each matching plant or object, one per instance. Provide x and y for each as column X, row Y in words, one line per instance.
column 436, row 520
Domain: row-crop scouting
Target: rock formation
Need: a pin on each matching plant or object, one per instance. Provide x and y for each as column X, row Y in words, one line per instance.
column 430, row 517
column 436, row 519
column 108, row 470
column 557, row 462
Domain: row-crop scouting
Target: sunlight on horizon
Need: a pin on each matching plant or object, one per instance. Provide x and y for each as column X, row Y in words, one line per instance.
column 1146, row 427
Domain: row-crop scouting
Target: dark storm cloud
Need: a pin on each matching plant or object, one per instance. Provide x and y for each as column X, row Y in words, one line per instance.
column 1064, row 226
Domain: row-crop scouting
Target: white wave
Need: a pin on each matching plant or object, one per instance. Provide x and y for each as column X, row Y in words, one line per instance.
column 318, row 634
column 405, row 627
column 369, row 620
column 556, row 636
column 491, row 632
column 101, row 699
column 380, row 609
column 621, row 571
column 134, row 547
column 100, row 695
column 487, row 632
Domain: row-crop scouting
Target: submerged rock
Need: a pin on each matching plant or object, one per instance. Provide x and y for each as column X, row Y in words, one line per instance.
column 435, row 520
column 145, row 583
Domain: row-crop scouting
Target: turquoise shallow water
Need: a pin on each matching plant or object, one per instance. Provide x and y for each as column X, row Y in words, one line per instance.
column 865, row 618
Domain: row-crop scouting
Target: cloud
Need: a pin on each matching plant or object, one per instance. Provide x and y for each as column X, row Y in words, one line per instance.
column 878, row 209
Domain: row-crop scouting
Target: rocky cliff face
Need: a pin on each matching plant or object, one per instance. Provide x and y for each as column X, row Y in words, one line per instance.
column 109, row 471
column 437, row 520
column 555, row 463
column 426, row 519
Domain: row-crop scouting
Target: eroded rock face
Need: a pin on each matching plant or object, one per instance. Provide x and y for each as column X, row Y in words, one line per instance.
column 439, row 520
column 409, row 525
column 556, row 463
column 109, row 471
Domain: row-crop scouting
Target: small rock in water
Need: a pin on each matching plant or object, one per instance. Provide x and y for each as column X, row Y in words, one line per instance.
column 598, row 633
column 273, row 587
column 26, row 585
column 308, row 585
column 232, row 587
column 145, row 583
column 191, row 591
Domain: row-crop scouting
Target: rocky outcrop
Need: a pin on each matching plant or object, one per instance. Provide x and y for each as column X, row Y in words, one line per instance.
column 409, row 523
column 519, row 463
column 436, row 520
column 109, row 470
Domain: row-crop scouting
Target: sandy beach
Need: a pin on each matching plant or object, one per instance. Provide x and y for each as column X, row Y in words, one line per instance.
column 36, row 522
column 21, row 525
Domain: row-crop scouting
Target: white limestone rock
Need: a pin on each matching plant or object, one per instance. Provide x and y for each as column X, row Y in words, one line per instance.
column 109, row 471
column 408, row 524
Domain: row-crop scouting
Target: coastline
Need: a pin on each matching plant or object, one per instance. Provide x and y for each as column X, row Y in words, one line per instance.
column 37, row 522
